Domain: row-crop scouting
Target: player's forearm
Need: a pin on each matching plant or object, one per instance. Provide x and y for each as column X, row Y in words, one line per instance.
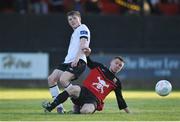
column 120, row 100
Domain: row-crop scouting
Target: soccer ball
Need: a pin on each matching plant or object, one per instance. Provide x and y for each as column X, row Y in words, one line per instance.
column 163, row 87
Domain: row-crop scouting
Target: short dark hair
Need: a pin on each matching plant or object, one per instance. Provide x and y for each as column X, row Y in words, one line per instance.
column 120, row 58
column 71, row 13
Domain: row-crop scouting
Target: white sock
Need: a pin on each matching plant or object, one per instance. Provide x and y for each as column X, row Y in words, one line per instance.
column 54, row 90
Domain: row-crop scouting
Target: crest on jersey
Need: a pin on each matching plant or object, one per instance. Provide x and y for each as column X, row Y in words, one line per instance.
column 100, row 85
column 115, row 80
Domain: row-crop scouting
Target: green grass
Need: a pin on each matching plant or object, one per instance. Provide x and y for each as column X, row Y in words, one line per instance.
column 25, row 105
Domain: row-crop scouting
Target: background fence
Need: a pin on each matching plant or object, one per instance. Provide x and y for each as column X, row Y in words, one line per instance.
column 149, row 38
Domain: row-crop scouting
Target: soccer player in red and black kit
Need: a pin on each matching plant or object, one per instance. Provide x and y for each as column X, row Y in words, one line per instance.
column 99, row 83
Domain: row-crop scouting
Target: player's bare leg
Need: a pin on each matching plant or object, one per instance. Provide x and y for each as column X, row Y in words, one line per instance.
column 65, row 79
column 53, row 87
column 62, row 97
column 73, row 90
column 87, row 108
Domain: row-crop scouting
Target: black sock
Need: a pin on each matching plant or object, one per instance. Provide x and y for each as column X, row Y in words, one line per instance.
column 62, row 97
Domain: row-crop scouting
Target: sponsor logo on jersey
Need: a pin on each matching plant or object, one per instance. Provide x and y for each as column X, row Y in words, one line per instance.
column 115, row 80
column 83, row 32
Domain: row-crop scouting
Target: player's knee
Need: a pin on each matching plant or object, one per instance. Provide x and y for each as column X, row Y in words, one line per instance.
column 73, row 90
column 64, row 82
column 51, row 80
column 87, row 109
column 65, row 78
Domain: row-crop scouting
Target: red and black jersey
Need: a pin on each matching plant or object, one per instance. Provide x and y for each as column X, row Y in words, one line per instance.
column 101, row 82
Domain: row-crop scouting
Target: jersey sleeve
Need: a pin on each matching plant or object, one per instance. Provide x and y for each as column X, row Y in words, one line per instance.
column 84, row 32
column 92, row 64
column 120, row 100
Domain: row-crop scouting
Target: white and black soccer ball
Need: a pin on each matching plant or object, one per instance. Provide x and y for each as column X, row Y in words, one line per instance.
column 163, row 87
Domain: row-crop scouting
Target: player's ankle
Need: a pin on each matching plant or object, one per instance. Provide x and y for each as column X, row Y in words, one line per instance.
column 60, row 110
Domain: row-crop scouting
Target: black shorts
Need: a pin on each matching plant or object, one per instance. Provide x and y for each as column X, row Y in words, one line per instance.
column 77, row 71
column 85, row 97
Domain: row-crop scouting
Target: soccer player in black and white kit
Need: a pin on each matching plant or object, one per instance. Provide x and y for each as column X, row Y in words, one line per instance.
column 99, row 83
column 75, row 60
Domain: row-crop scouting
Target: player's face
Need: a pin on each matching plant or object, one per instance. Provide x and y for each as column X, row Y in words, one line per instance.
column 74, row 21
column 116, row 65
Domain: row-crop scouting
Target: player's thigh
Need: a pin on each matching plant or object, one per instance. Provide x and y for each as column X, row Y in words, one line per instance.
column 66, row 77
column 88, row 108
column 77, row 70
column 55, row 75
column 74, row 91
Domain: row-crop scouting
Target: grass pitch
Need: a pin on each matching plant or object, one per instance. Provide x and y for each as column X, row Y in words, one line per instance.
column 25, row 105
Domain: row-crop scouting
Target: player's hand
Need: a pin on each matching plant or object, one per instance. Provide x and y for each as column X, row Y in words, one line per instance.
column 127, row 110
column 74, row 63
column 86, row 51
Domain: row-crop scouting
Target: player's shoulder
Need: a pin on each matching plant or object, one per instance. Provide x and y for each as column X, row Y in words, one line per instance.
column 83, row 27
column 103, row 66
column 83, row 30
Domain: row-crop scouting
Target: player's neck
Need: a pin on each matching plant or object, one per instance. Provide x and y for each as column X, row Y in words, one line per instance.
column 76, row 27
column 111, row 71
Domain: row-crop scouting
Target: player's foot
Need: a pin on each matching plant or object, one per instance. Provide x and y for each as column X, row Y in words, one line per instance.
column 76, row 109
column 61, row 110
column 47, row 106
column 72, row 112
